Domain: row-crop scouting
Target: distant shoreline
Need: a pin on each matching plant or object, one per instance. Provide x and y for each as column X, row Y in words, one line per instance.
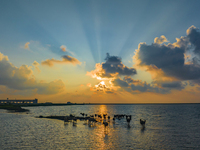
column 63, row 104
column 13, row 108
column 5, row 106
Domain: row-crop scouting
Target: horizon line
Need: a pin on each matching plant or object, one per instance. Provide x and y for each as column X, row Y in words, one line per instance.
column 112, row 103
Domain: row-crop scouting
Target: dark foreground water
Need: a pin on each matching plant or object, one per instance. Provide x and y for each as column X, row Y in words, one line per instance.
column 170, row 126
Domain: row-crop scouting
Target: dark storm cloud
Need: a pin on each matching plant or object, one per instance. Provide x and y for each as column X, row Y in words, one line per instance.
column 161, row 56
column 194, row 38
column 145, row 87
column 137, row 85
column 130, row 80
column 170, row 59
column 173, row 85
column 140, row 88
column 112, row 68
column 114, row 65
column 120, row 83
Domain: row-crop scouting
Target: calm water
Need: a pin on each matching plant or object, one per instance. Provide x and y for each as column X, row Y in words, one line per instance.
column 167, row 127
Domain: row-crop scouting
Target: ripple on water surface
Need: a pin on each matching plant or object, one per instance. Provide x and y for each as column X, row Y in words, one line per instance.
column 167, row 127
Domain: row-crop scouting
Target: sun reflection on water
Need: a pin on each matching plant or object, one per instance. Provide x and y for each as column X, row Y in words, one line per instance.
column 162, row 130
column 103, row 109
column 103, row 133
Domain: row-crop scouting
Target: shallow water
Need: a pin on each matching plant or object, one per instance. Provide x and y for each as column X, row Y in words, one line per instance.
column 172, row 126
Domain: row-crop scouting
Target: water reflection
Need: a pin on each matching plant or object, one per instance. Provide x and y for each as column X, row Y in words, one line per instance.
column 103, row 131
column 163, row 129
column 142, row 129
column 103, row 109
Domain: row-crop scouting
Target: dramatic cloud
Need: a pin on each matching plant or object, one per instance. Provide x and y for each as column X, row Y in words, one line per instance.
column 111, row 72
column 170, row 59
column 22, row 79
column 171, row 65
column 114, row 65
column 137, row 86
column 111, row 68
column 121, row 83
column 160, row 40
column 26, row 46
column 194, row 38
column 66, row 59
column 102, row 87
column 64, row 49
column 173, row 85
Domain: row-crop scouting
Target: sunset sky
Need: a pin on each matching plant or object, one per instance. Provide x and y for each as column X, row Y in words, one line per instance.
column 100, row 51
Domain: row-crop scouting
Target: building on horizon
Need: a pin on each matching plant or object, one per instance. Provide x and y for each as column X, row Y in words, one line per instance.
column 10, row 101
column 69, row 103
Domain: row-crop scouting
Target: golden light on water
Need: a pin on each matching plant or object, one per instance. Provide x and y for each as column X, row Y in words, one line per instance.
column 102, row 133
column 103, row 109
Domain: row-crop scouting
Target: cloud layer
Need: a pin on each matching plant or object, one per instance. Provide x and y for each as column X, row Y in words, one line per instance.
column 171, row 58
column 173, row 66
column 66, row 59
column 111, row 68
column 137, row 86
column 22, row 78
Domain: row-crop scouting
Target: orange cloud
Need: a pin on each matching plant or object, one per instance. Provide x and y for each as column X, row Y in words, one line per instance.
column 36, row 64
column 66, row 59
column 26, row 46
column 160, row 40
column 189, row 30
column 3, row 57
column 172, row 64
column 110, row 69
column 22, row 79
column 98, row 73
column 64, row 49
column 103, row 88
column 89, row 85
